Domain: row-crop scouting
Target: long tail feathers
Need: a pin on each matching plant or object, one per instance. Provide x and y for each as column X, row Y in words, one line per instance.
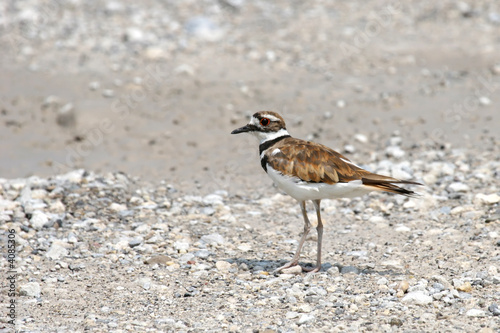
column 386, row 184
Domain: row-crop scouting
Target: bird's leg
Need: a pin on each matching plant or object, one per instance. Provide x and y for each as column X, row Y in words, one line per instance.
column 307, row 228
column 319, row 229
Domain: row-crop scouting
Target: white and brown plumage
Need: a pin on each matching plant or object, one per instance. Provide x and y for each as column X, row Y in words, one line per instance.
column 310, row 171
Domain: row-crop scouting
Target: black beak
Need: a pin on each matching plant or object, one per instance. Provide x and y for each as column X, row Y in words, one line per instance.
column 246, row 128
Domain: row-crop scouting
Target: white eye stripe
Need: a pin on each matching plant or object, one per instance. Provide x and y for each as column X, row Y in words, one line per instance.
column 255, row 121
column 271, row 117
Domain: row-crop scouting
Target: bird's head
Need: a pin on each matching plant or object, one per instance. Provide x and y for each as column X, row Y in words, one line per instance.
column 265, row 125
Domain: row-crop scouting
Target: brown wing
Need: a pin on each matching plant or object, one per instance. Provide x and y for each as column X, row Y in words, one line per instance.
column 312, row 162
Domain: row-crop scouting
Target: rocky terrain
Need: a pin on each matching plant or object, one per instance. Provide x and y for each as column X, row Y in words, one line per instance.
column 133, row 209
column 102, row 253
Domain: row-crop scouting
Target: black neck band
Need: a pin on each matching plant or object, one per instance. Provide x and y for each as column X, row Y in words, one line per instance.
column 266, row 144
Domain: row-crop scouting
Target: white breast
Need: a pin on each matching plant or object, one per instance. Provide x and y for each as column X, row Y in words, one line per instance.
column 301, row 190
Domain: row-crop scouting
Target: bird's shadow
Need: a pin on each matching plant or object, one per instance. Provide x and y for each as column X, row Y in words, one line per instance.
column 256, row 265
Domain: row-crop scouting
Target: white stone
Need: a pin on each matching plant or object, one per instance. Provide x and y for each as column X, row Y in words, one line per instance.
column 38, row 194
column 349, row 149
column 341, row 104
column 56, row 251
column 333, row 271
column 145, row 283
column 245, row 247
column 458, row 187
column 382, row 281
column 487, row 199
column 417, row 297
column 475, row 313
column 213, row 239
column 74, row 176
column 108, row 93
column 181, row 246
column 57, row 207
column 457, row 210
column 305, row 318
column 223, row 266
column 394, row 264
column 441, row 279
column 122, row 244
column 402, row 228
column 361, row 138
column 492, row 270
column 184, row 69
column 66, row 115
column 94, row 85
column 213, row 200
column 38, row 220
column 72, row 239
column 395, row 151
column 484, row 100
column 376, row 219
column 31, row 289
column 155, row 53
column 116, row 207
column 134, row 35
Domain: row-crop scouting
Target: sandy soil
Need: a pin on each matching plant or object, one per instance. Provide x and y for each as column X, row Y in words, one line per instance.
column 154, row 89
column 419, row 69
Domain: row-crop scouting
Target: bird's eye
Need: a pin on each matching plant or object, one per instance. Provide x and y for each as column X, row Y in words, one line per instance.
column 264, row 121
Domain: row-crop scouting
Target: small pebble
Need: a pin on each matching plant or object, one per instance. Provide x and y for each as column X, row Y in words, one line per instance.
column 160, row 259
column 223, row 266
column 396, row 322
column 475, row 313
column 31, row 289
column 181, row 246
column 94, row 85
column 487, row 199
column 116, row 207
column 39, row 220
column 56, row 252
column 305, row 318
column 135, row 241
column 417, row 298
column 108, row 93
column 213, row 239
column 493, row 308
column 465, row 287
column 66, row 116
column 361, row 138
column 458, row 187
column 349, row 269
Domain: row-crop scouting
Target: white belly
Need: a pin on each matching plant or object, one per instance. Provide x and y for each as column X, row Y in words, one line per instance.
column 302, row 191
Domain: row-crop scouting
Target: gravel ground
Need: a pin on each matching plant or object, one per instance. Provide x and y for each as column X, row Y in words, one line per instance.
column 103, row 253
column 130, row 215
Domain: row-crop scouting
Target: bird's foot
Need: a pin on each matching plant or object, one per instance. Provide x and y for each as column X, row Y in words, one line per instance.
column 285, row 266
column 312, row 269
column 295, row 263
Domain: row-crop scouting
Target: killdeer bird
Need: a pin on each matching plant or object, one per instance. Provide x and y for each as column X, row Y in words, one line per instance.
column 310, row 171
